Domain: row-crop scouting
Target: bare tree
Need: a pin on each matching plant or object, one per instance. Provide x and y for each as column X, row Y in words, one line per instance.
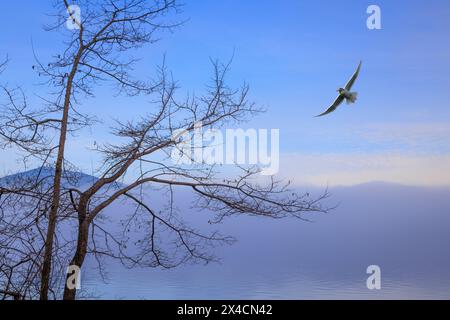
column 92, row 54
column 107, row 27
column 23, row 204
column 153, row 138
column 36, row 211
column 25, row 200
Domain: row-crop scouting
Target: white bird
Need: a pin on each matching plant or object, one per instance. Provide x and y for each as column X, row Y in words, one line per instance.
column 344, row 93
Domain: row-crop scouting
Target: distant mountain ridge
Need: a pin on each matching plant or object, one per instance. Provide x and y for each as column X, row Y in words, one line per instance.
column 77, row 179
column 46, row 175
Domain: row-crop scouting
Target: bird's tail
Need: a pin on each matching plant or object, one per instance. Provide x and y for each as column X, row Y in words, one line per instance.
column 353, row 97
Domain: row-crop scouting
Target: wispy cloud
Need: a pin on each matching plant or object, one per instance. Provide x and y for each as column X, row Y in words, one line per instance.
column 420, row 137
column 354, row 168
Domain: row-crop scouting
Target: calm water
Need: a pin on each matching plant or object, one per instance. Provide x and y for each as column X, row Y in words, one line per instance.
column 406, row 231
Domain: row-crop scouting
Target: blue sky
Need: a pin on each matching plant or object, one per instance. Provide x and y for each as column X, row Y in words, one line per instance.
column 294, row 54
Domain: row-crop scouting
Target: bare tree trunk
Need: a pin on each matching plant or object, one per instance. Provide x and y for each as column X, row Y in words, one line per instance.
column 47, row 263
column 78, row 258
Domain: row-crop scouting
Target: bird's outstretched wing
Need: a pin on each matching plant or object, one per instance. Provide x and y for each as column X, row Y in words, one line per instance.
column 352, row 80
column 333, row 107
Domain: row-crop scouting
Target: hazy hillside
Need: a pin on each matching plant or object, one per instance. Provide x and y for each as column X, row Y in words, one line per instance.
column 405, row 230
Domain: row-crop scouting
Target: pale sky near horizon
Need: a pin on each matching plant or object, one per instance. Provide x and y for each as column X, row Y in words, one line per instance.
column 294, row 54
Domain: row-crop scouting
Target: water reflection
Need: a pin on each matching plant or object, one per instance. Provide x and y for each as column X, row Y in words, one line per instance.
column 406, row 231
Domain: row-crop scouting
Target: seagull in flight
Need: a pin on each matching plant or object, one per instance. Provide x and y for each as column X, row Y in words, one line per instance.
column 344, row 93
